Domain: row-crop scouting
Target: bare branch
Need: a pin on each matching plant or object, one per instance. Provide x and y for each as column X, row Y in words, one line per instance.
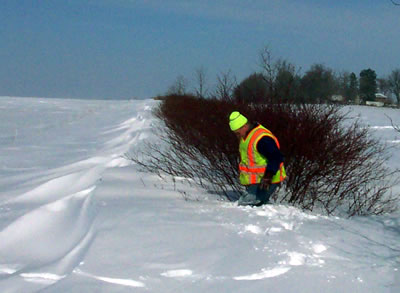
column 395, row 127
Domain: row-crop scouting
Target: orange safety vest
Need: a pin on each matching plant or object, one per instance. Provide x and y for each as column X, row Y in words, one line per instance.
column 252, row 164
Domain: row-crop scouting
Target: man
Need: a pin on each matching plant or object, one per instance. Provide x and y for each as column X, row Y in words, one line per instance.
column 261, row 162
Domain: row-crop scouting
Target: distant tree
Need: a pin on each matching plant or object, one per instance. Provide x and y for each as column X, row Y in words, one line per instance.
column 226, row 84
column 269, row 71
column 348, row 86
column 318, row 84
column 287, row 81
column 281, row 76
column 353, row 88
column 179, row 87
column 343, row 83
column 383, row 86
column 201, row 89
column 368, row 84
column 253, row 89
column 394, row 84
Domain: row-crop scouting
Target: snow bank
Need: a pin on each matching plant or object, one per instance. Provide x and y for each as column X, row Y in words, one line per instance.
column 75, row 216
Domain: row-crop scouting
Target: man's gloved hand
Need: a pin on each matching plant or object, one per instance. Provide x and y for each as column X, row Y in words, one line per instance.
column 266, row 181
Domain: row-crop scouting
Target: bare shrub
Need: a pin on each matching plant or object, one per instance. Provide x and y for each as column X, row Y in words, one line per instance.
column 330, row 167
column 335, row 167
column 197, row 144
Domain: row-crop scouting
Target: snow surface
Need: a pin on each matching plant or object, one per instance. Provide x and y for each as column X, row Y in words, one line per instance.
column 76, row 216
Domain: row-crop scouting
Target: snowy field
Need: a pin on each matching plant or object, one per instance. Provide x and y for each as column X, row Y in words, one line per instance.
column 75, row 216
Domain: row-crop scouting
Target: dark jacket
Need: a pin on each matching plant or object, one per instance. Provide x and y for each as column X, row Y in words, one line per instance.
column 267, row 147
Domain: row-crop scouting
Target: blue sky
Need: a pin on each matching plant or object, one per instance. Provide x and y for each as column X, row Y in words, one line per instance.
column 137, row 48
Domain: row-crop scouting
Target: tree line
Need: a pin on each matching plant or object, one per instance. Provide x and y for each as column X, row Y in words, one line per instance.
column 281, row 80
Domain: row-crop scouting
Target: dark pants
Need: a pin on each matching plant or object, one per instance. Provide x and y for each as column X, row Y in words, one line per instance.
column 257, row 196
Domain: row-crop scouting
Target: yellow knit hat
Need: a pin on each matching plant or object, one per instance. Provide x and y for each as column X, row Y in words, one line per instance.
column 236, row 120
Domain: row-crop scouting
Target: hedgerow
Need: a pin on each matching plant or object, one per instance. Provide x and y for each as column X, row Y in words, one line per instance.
column 330, row 167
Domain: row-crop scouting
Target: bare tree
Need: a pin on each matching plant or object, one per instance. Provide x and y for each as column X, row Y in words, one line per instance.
column 201, row 82
column 226, row 84
column 287, row 81
column 281, row 76
column 394, row 84
column 269, row 71
column 179, row 87
column 384, row 86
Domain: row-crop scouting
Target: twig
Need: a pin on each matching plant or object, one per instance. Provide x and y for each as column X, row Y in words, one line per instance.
column 396, row 127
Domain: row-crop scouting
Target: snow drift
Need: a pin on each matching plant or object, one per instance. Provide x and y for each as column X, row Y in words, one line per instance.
column 75, row 216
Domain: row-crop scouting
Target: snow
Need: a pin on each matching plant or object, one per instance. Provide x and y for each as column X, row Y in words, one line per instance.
column 77, row 216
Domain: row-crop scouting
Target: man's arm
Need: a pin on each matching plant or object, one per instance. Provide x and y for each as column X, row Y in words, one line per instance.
column 267, row 147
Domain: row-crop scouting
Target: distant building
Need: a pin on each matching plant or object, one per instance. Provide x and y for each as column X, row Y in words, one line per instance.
column 375, row 103
column 379, row 97
column 380, row 101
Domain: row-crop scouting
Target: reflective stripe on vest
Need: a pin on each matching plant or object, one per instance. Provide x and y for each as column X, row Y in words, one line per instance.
column 253, row 165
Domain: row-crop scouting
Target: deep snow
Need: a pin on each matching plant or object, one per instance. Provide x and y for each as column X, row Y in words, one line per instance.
column 76, row 216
